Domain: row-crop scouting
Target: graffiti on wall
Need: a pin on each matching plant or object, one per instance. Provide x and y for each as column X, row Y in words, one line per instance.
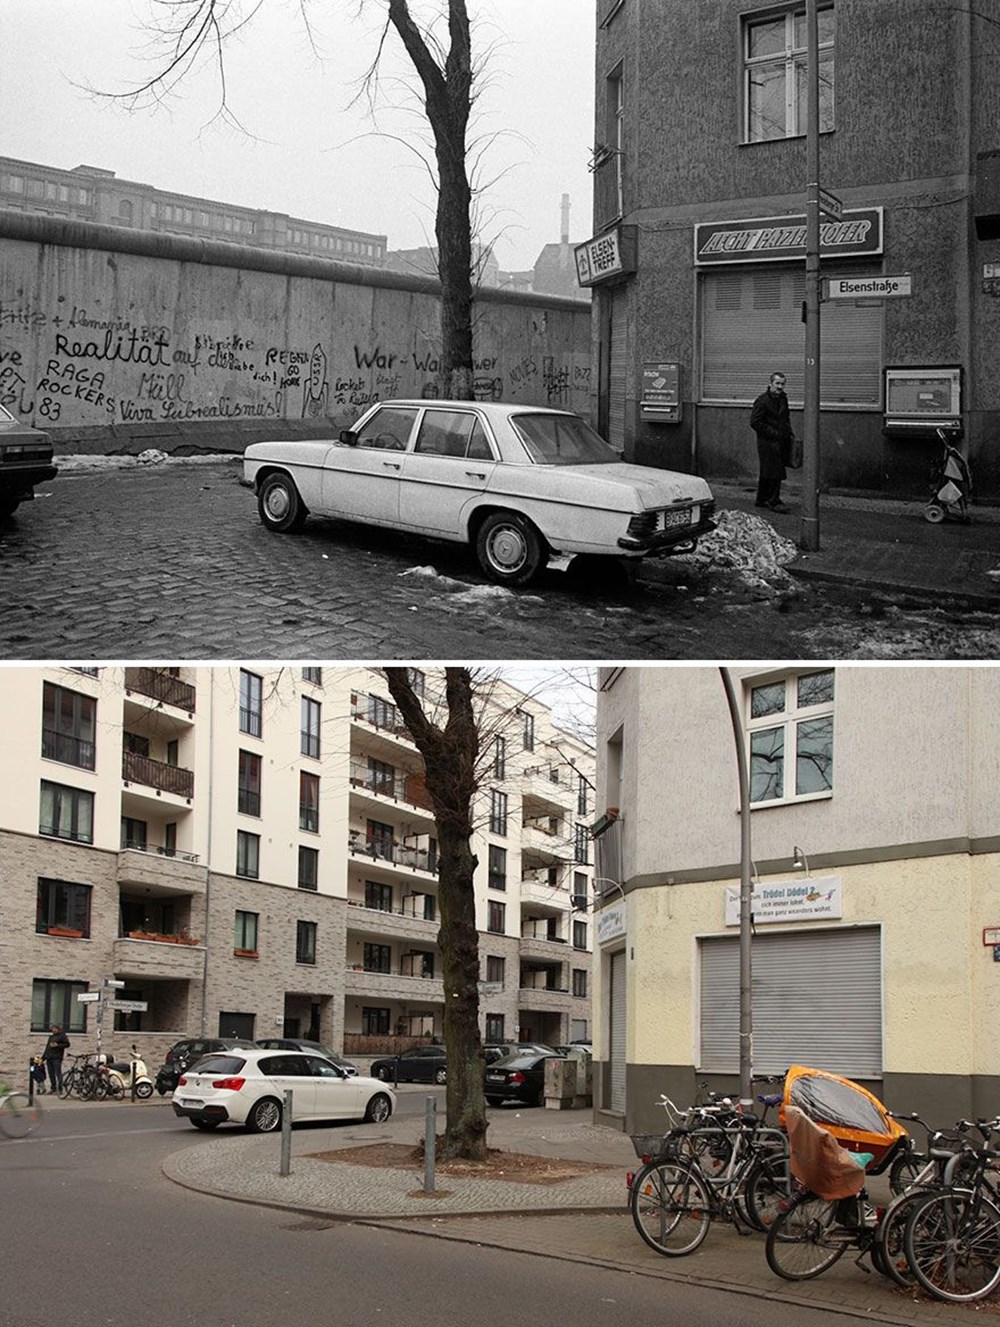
column 67, row 367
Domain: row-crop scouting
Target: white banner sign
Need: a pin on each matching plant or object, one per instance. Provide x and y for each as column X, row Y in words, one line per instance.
column 610, row 923
column 789, row 901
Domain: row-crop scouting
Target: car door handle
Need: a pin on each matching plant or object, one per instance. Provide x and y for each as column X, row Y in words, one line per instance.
column 391, row 465
column 476, row 474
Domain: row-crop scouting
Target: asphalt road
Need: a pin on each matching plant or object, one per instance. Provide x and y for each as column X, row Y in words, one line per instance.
column 94, row 1234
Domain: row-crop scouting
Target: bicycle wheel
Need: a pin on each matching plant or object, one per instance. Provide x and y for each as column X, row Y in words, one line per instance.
column 18, row 1115
column 905, row 1171
column 805, row 1239
column 671, row 1207
column 952, row 1243
column 889, row 1238
column 767, row 1190
column 70, row 1084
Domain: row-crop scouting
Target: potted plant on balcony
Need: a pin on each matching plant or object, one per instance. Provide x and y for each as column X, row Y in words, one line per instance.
column 68, row 932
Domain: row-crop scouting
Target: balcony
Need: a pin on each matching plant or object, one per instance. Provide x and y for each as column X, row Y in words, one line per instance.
column 161, row 871
column 382, row 789
column 398, row 924
column 538, row 891
column 542, row 997
column 161, row 686
column 157, row 774
column 542, row 947
column 381, row 722
column 541, row 840
column 545, row 795
column 161, row 958
column 393, row 855
column 393, row 986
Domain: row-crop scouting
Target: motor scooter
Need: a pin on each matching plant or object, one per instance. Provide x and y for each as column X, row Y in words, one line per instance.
column 126, row 1076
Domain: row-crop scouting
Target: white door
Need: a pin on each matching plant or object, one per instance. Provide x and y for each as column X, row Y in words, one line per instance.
column 451, row 463
column 291, row 1073
column 361, row 481
column 335, row 1096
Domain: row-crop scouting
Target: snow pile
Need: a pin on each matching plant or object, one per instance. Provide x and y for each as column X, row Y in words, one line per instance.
column 151, row 456
column 748, row 545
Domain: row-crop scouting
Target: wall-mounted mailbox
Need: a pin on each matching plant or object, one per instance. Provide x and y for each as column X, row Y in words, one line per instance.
column 661, row 394
column 919, row 400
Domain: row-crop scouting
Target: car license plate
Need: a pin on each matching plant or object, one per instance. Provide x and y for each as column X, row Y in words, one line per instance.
column 688, row 516
column 494, row 1078
column 189, row 1101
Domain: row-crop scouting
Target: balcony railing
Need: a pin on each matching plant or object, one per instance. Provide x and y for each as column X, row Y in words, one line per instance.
column 416, row 911
column 399, row 787
column 157, row 774
column 159, row 850
column 162, row 686
column 398, row 854
column 381, row 714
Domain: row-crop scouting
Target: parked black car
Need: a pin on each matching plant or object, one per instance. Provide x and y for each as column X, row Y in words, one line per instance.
column 498, row 1050
column 518, row 1078
column 420, row 1064
column 183, row 1054
column 314, row 1047
column 25, row 460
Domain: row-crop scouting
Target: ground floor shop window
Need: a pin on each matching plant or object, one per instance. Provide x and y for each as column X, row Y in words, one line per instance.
column 55, row 1002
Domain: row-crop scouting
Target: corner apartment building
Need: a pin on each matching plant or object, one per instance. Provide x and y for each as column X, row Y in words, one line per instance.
column 697, row 259
column 92, row 193
column 875, row 855
column 252, row 851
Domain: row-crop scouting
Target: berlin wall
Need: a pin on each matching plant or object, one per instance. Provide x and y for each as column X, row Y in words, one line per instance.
column 115, row 340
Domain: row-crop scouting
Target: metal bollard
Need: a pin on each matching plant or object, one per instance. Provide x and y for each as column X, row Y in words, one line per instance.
column 31, row 1083
column 285, row 1168
column 430, row 1143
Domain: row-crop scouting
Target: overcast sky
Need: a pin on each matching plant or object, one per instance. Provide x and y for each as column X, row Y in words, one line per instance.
column 307, row 151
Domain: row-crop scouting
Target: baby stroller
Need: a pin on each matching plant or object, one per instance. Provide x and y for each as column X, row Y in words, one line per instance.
column 858, row 1120
column 951, row 485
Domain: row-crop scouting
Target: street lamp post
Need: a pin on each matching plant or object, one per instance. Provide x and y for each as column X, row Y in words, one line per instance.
column 746, row 898
column 809, row 539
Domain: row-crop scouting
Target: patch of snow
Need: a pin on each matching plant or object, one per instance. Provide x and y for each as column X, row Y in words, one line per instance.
column 85, row 461
column 748, row 545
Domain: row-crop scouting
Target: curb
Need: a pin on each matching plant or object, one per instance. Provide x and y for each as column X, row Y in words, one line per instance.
column 941, row 597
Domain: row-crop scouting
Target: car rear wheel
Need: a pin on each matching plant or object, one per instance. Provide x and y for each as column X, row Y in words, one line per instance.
column 379, row 1108
column 265, row 1116
column 440, row 1075
column 509, row 548
column 280, row 506
column 8, row 506
column 382, row 1073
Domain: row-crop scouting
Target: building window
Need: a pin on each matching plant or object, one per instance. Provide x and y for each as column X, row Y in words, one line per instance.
column 579, row 935
column 126, row 212
column 581, row 897
column 580, row 982
column 496, row 917
column 790, row 728
column 248, row 797
column 775, row 103
column 245, row 932
column 495, row 969
column 582, row 804
column 498, row 812
column 310, row 712
column 247, row 854
column 608, row 156
column 62, row 904
column 374, row 1021
column 308, row 868
column 497, row 877
column 56, row 1002
column 379, row 837
column 581, row 845
column 494, row 1027
column 133, row 833
column 305, row 942
column 382, row 712
column 68, row 726
column 417, row 681
column 377, row 958
column 251, row 703
column 499, row 757
column 313, row 675
column 381, row 777
column 309, row 801
column 528, row 730
column 66, row 813
column 378, row 896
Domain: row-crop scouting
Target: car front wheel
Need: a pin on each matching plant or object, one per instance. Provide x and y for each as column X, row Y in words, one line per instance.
column 509, row 548
column 280, row 506
column 440, row 1075
column 265, row 1116
column 379, row 1108
column 382, row 1073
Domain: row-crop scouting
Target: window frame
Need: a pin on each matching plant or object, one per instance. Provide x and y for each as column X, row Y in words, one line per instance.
column 61, row 730
column 65, row 1011
column 308, row 879
column 579, row 935
column 376, row 957
column 792, row 60
column 498, row 812
column 789, row 719
column 251, row 703
column 305, row 942
column 78, row 798
column 496, row 911
column 248, row 796
column 75, row 912
column 310, row 718
column 246, row 931
column 496, row 871
column 581, row 845
column 308, row 802
column 245, row 841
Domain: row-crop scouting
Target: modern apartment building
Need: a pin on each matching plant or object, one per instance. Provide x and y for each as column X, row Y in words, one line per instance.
column 252, row 851
column 875, row 861
column 91, row 193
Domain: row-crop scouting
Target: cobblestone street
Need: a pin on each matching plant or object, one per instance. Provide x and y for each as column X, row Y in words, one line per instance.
column 171, row 562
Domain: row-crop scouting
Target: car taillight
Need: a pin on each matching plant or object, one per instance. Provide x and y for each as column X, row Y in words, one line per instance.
column 230, row 1084
column 516, row 1077
column 642, row 525
column 181, row 1081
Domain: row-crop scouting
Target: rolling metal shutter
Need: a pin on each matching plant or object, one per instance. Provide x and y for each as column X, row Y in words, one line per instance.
column 617, row 369
column 618, row 1025
column 817, row 1000
column 752, row 326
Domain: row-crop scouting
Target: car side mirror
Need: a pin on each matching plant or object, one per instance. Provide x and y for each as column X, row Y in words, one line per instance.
column 349, row 438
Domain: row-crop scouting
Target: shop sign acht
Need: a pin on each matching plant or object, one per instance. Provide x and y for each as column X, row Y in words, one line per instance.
column 858, row 233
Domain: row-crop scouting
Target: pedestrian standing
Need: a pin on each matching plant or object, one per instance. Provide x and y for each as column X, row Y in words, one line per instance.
column 769, row 420
column 52, row 1056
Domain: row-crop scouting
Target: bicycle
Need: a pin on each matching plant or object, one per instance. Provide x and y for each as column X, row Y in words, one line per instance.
column 952, row 1238
column 84, row 1079
column 736, row 1170
column 19, row 1115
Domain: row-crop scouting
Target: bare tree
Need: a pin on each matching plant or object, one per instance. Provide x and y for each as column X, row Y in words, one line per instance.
column 450, row 753
column 184, row 32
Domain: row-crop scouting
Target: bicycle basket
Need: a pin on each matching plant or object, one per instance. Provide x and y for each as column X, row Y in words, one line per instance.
column 649, row 1145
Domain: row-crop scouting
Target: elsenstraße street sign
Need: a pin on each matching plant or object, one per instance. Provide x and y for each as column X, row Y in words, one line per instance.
column 868, row 287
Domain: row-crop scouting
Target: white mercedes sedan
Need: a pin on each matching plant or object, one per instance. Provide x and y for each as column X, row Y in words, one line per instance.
column 522, row 485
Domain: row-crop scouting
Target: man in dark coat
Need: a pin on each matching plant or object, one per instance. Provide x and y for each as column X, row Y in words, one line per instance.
column 52, row 1057
column 769, row 420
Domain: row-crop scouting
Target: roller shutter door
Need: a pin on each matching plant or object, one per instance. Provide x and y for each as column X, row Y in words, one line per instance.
column 617, row 369
column 817, row 1000
column 752, row 327
column 618, row 1025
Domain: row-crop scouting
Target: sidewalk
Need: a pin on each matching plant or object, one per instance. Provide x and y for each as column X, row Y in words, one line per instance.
column 886, row 545
column 582, row 1220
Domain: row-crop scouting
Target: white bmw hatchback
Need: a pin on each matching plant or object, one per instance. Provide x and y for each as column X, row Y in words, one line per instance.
column 248, row 1087
column 521, row 485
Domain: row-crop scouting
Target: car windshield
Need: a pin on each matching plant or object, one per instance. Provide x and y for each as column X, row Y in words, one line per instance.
column 562, row 440
column 218, row 1064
